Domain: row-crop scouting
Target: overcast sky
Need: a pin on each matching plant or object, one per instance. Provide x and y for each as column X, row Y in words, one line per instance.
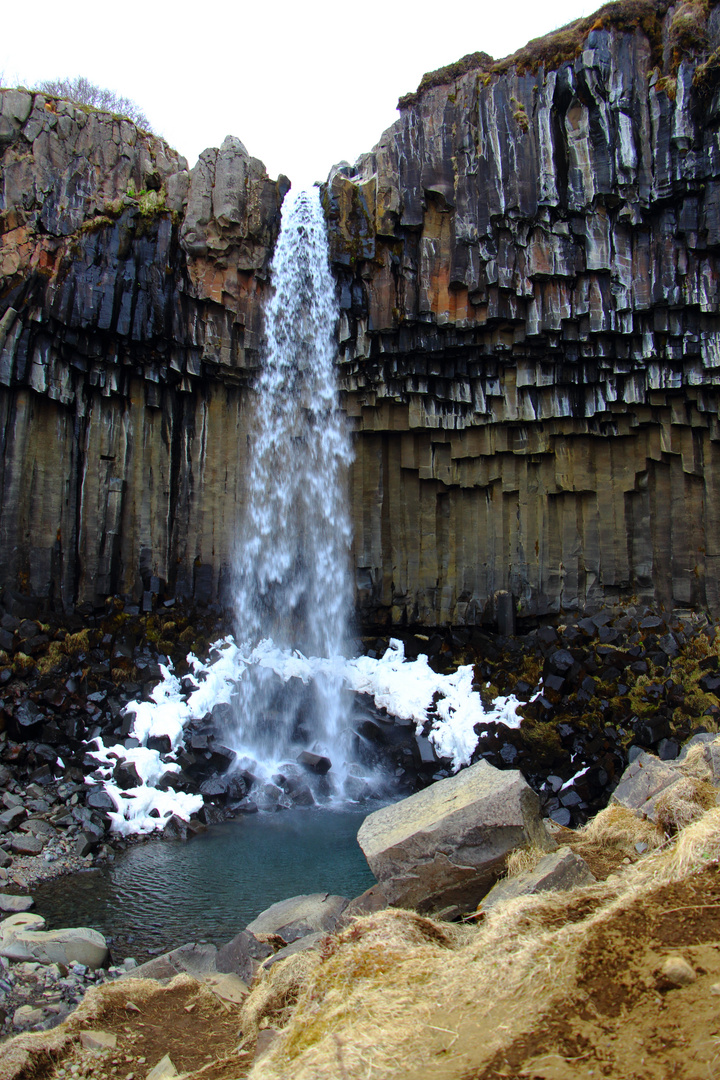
column 303, row 85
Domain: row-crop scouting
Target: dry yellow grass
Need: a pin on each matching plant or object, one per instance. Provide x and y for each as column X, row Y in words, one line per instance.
column 374, row 1005
column 617, row 828
column 523, row 860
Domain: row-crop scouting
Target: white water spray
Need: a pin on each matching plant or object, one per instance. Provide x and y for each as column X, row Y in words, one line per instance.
column 292, row 563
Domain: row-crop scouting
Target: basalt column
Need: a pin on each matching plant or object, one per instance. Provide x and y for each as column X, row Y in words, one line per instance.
column 528, row 273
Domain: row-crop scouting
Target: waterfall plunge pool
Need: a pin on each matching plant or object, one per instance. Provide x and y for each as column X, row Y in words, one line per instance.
column 158, row 895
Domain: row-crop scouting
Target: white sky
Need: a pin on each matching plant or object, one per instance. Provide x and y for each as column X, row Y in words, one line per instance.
column 303, row 85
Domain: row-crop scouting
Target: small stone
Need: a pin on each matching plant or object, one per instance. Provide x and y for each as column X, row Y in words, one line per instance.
column 715, row 989
column 163, row 1070
column 98, row 1040
column 11, row 902
column 677, row 970
column 27, row 1016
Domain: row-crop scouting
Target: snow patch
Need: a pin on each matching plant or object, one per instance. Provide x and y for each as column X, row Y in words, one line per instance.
column 407, row 689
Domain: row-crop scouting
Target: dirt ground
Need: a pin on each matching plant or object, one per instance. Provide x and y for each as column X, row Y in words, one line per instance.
column 624, row 1019
column 184, row 1020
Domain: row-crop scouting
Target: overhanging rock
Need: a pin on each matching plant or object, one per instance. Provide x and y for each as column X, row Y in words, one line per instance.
column 446, row 845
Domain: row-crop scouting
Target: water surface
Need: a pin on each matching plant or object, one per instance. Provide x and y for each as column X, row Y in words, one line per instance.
column 158, row 895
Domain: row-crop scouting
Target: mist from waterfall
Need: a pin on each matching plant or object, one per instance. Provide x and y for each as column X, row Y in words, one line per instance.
column 292, row 568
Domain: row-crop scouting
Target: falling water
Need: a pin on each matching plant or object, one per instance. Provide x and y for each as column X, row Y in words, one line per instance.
column 292, row 563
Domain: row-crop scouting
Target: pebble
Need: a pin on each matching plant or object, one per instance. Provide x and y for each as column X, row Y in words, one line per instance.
column 27, row 1016
column 677, row 970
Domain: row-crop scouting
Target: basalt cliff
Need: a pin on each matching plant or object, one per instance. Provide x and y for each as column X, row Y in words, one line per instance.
column 527, row 266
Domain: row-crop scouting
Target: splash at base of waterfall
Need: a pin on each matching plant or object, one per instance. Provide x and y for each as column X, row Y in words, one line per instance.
column 444, row 707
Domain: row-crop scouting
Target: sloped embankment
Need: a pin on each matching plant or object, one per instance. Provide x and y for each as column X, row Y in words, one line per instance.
column 555, row 986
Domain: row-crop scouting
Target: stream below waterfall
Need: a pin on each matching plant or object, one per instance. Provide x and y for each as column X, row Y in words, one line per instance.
column 158, row 895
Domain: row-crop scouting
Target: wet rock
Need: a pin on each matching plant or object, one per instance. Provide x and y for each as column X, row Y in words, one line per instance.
column 314, row 763
column 86, row 842
column 175, row 829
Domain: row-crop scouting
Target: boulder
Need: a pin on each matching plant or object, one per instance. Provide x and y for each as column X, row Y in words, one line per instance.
column 242, row 956
column 197, row 960
column 14, row 924
column 77, row 945
column 368, row 903
column 299, row 916
column 26, row 844
column 446, row 845
column 557, row 872
column 644, row 780
column 10, row 902
column 315, row 763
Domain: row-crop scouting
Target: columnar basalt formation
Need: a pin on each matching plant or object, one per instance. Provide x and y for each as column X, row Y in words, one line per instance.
column 130, row 317
column 528, row 263
column 527, row 266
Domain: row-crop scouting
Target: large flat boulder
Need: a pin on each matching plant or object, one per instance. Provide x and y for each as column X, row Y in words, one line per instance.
column 445, row 846
column 75, row 945
column 196, row 959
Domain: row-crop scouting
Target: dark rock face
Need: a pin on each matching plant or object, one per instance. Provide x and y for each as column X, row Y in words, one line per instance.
column 129, row 322
column 528, row 269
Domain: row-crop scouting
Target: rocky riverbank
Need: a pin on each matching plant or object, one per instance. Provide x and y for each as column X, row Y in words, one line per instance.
column 597, row 946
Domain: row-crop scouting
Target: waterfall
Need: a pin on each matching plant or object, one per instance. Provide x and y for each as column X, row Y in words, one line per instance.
column 292, row 567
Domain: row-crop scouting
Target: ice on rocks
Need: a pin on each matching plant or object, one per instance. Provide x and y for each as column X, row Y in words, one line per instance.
column 132, row 815
column 407, row 689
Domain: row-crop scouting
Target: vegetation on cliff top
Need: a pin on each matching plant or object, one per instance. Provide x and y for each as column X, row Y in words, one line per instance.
column 82, row 92
column 687, row 34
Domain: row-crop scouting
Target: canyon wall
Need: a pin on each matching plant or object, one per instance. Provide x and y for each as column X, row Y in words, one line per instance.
column 130, row 320
column 527, row 266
